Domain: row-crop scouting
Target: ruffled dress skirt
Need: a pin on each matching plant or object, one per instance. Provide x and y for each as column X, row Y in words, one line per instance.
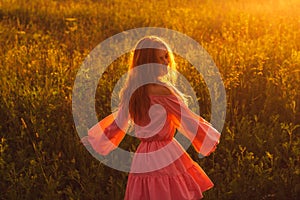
column 182, row 179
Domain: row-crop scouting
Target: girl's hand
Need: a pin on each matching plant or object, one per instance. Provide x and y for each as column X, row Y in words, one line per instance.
column 213, row 149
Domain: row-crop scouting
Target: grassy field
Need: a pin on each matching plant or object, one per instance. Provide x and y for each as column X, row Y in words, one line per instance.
column 255, row 44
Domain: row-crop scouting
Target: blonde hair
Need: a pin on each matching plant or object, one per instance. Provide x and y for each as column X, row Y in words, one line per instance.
column 145, row 52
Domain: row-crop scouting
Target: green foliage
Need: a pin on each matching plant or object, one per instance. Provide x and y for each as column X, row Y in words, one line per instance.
column 256, row 46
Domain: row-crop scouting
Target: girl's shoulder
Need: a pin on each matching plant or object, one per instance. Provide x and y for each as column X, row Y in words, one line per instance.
column 158, row 89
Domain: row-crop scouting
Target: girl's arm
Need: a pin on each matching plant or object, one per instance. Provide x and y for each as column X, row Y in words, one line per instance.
column 201, row 133
column 107, row 134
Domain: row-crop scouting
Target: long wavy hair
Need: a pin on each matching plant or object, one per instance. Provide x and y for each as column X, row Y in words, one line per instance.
column 144, row 67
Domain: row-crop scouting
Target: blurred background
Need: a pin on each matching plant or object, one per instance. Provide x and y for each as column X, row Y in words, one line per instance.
column 255, row 44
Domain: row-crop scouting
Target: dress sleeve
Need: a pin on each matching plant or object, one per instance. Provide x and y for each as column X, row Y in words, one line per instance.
column 201, row 133
column 107, row 134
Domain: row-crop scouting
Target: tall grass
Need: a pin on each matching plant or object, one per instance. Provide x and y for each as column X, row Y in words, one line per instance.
column 255, row 44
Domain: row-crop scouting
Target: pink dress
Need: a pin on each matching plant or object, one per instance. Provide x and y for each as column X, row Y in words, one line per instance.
column 161, row 169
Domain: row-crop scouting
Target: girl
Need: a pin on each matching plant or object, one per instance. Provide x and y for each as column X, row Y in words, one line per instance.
column 161, row 169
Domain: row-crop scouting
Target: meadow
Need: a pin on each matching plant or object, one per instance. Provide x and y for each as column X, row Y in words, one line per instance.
column 255, row 44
